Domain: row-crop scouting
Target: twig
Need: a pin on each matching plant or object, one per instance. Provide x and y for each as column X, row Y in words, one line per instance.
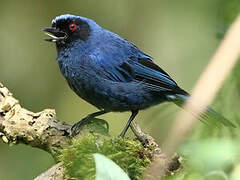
column 204, row 92
column 207, row 86
column 53, row 173
column 146, row 140
column 166, row 165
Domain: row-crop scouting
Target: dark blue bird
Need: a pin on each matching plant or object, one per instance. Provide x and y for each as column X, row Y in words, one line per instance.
column 110, row 72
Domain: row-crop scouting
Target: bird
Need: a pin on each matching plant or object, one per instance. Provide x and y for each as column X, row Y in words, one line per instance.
column 110, row 72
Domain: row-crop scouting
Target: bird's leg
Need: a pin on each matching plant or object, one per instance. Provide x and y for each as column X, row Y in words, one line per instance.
column 134, row 113
column 75, row 128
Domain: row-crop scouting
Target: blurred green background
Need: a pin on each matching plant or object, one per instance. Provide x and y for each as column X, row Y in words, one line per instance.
column 180, row 35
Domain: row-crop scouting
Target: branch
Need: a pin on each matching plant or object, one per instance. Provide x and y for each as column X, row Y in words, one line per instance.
column 43, row 130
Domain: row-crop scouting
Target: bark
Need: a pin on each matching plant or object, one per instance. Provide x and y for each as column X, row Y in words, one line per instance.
column 41, row 130
column 53, row 173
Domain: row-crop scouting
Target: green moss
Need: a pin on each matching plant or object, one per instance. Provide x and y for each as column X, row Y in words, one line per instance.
column 129, row 155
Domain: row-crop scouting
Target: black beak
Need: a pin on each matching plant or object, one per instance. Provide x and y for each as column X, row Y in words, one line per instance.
column 55, row 34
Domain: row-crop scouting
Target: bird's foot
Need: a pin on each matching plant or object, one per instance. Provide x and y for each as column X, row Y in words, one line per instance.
column 75, row 129
column 122, row 134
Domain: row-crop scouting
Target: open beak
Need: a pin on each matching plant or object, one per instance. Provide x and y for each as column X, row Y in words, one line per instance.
column 54, row 34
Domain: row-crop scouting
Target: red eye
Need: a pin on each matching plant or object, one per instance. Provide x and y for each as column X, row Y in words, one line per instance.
column 72, row 27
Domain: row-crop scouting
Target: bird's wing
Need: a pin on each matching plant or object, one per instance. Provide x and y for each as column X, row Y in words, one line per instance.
column 147, row 71
column 142, row 70
column 151, row 75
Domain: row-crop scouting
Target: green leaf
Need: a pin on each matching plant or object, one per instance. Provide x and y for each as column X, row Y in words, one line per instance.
column 106, row 169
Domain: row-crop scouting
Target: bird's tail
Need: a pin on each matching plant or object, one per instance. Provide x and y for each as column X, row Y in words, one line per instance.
column 209, row 116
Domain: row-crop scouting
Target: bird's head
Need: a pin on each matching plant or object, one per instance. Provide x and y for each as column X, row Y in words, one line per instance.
column 68, row 28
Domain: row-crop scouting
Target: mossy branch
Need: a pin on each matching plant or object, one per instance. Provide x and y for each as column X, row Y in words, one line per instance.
column 43, row 130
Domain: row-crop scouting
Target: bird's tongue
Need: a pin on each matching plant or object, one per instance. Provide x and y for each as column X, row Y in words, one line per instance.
column 54, row 34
